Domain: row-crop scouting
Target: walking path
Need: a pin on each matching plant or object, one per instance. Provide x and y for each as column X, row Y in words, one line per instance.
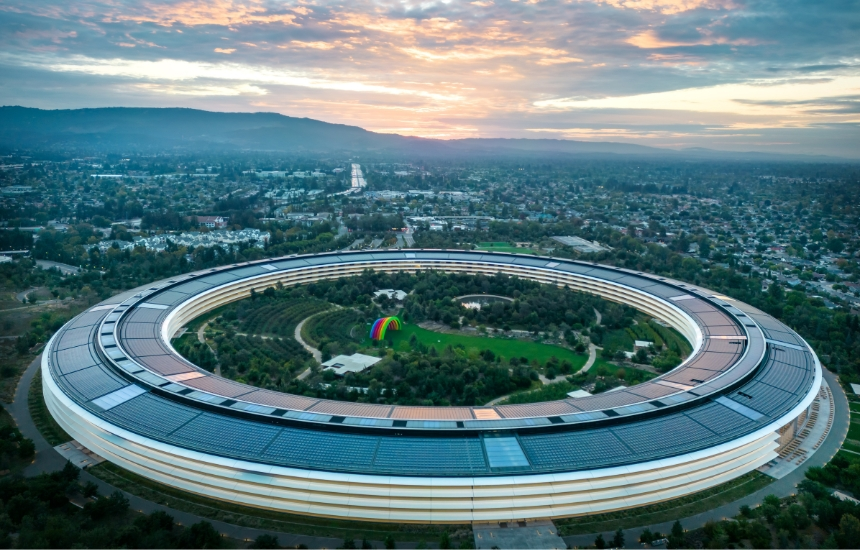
column 309, row 348
column 782, row 488
column 22, row 296
column 592, row 356
column 201, row 337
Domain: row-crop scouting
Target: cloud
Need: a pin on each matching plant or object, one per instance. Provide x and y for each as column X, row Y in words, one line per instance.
column 172, row 70
column 670, row 7
column 650, row 40
column 318, row 45
column 202, row 91
column 203, row 12
column 558, row 60
column 763, row 97
column 475, row 54
column 619, row 69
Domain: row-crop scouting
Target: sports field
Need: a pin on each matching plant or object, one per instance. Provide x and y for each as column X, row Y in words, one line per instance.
column 474, row 344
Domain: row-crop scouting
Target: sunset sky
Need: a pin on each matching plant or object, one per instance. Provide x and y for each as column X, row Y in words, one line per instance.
column 781, row 75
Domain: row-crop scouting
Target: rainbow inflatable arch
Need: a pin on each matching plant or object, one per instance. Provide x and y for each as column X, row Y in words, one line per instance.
column 377, row 331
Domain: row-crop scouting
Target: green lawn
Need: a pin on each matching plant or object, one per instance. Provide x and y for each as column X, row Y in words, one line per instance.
column 473, row 344
column 855, row 407
column 504, row 247
column 854, row 431
column 851, row 446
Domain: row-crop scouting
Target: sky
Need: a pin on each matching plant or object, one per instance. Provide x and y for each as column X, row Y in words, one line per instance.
column 741, row 75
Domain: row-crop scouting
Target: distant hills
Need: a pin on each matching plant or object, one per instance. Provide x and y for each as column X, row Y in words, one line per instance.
column 128, row 130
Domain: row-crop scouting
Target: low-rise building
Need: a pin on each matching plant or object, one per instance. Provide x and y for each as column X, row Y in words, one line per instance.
column 357, row 362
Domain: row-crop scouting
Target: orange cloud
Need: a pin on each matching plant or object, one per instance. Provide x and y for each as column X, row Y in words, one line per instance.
column 312, row 45
column 669, row 7
column 212, row 12
column 558, row 60
column 436, row 27
column 649, row 40
column 483, row 53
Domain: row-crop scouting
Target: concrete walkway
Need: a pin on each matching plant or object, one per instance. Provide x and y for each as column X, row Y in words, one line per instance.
column 781, row 488
column 309, row 348
column 49, row 460
column 201, row 337
column 592, row 357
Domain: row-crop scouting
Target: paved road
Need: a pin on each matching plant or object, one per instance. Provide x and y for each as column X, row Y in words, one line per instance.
column 49, row 460
column 781, row 488
column 22, row 296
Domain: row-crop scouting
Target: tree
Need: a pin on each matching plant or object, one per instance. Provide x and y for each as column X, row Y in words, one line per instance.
column 599, row 542
column 445, row 541
column 618, row 539
column 835, row 245
column 265, row 541
column 26, row 448
column 389, row 542
column 646, row 536
column 90, row 489
column 676, row 537
column 849, row 532
column 200, row 535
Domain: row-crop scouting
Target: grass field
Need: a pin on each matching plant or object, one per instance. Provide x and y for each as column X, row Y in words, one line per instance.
column 851, row 445
column 474, row 344
column 504, row 247
column 854, row 430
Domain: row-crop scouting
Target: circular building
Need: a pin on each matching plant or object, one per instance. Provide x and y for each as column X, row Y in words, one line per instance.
column 112, row 380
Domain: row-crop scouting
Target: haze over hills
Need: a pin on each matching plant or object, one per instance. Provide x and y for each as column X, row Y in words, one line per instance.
column 120, row 129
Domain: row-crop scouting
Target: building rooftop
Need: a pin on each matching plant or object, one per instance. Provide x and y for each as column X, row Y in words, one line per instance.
column 356, row 362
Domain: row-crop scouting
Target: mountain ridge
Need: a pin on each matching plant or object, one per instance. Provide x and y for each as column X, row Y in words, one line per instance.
column 140, row 129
